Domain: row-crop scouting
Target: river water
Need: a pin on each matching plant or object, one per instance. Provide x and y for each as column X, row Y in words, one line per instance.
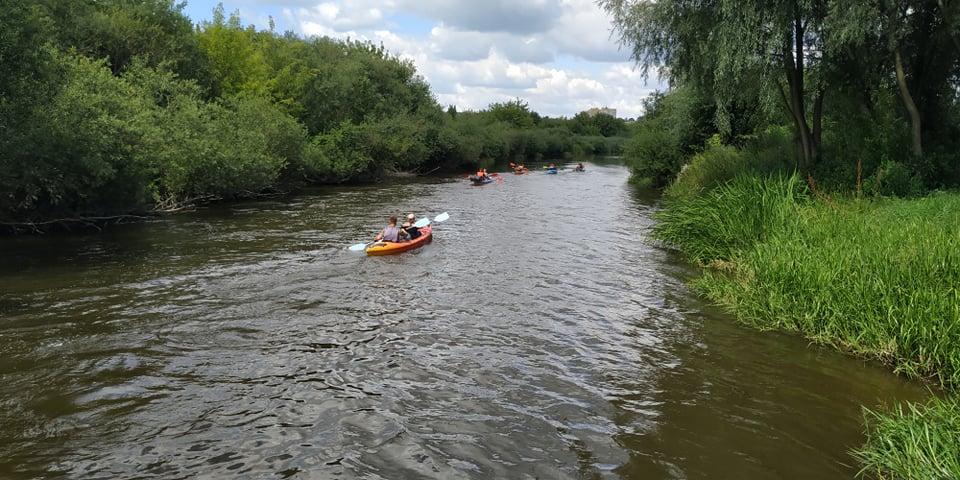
column 540, row 335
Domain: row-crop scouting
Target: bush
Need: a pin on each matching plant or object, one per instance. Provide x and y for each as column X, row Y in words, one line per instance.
column 652, row 155
column 893, row 179
column 74, row 154
column 340, row 155
column 764, row 155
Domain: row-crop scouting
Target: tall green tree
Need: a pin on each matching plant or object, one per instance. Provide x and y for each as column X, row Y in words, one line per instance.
column 919, row 45
column 733, row 46
column 236, row 60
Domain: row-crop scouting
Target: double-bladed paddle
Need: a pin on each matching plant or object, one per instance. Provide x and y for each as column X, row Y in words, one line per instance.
column 423, row 222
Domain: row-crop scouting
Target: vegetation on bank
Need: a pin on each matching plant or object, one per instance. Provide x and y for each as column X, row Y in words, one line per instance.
column 876, row 277
column 807, row 151
column 122, row 106
column 914, row 441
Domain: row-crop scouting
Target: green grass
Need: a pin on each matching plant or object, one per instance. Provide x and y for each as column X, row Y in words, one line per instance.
column 878, row 278
column 913, row 441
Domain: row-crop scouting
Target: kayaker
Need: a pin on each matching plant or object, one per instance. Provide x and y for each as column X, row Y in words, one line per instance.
column 391, row 233
column 409, row 227
column 481, row 174
column 580, row 167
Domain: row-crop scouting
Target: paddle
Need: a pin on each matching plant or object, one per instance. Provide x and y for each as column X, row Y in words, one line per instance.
column 360, row 247
column 423, row 222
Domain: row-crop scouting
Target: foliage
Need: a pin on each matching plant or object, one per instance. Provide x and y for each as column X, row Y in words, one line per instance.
column 600, row 124
column 72, row 151
column 764, row 155
column 860, row 85
column 913, row 441
column 237, row 63
column 674, row 126
column 339, row 155
column 120, row 106
column 515, row 112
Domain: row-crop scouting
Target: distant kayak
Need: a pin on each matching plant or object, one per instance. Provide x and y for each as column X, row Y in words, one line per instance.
column 481, row 181
column 393, row 248
column 551, row 171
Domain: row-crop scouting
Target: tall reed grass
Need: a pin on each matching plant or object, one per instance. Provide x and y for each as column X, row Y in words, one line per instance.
column 913, row 441
column 878, row 278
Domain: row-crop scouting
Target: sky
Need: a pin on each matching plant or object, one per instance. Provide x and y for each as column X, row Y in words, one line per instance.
column 558, row 55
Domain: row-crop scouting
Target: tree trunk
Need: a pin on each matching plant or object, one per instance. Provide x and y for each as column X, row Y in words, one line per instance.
column 909, row 104
column 793, row 67
column 818, row 124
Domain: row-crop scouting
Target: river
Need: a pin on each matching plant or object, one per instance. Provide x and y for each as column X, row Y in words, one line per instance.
column 541, row 335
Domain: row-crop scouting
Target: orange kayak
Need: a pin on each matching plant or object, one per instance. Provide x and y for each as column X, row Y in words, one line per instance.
column 393, row 248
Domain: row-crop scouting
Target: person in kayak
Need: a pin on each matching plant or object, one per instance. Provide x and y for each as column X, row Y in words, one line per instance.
column 391, row 233
column 579, row 167
column 412, row 231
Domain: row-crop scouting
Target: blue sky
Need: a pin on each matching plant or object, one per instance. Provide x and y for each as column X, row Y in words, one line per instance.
column 556, row 54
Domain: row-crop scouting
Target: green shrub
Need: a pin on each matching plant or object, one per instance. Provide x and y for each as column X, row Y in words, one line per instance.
column 893, row 179
column 340, row 155
column 651, row 154
column 764, row 155
column 74, row 151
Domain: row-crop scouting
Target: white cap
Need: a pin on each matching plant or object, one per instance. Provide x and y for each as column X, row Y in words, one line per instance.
column 411, row 216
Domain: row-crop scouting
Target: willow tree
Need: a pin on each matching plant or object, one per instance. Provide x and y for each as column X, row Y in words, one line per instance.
column 774, row 47
column 919, row 49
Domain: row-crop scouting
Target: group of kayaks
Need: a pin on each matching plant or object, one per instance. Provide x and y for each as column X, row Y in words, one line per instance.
column 379, row 248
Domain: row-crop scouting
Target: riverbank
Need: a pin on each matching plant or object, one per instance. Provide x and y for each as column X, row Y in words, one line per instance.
column 877, row 278
column 96, row 132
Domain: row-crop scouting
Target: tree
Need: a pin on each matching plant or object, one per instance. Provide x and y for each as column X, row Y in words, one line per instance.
column 920, row 49
column 735, row 46
column 515, row 112
column 236, row 61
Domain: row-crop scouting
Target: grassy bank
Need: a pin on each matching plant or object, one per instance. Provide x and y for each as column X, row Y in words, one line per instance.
column 878, row 278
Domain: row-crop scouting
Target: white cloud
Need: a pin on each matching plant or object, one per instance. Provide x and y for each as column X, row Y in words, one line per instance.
column 343, row 15
column 556, row 54
column 514, row 16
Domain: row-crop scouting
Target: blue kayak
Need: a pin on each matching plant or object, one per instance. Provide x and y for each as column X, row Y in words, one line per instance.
column 551, row 171
column 481, row 181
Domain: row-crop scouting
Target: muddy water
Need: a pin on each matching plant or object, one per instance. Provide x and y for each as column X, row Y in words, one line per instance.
column 539, row 336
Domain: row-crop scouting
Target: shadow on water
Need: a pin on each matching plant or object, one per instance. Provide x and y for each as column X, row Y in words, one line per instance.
column 541, row 335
